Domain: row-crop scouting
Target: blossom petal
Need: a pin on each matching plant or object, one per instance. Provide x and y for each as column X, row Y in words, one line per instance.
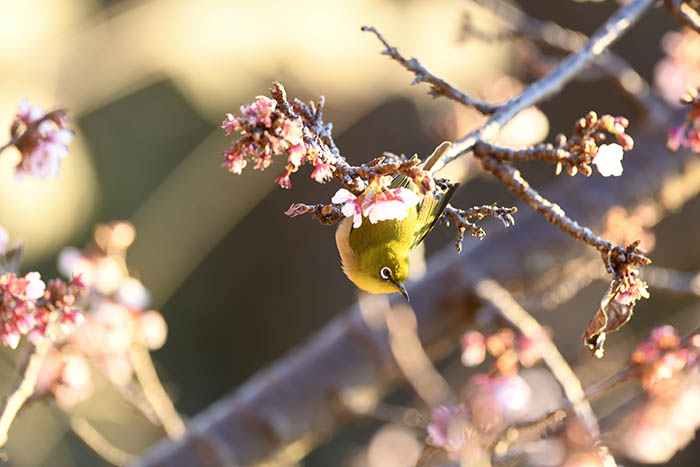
column 608, row 160
column 342, row 196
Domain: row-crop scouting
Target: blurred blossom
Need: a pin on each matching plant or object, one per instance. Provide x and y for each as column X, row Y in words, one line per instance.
column 116, row 236
column 154, row 330
column 582, row 459
column 133, row 294
column 495, row 401
column 74, row 385
column 4, row 240
column 101, row 272
column 41, row 140
column 662, row 360
column 111, row 329
column 687, row 134
column 473, row 348
column 546, row 452
column 65, row 375
column 623, row 227
column 680, row 68
column 118, row 369
column 115, row 316
column 528, row 127
column 662, row 425
column 393, row 446
column 448, row 429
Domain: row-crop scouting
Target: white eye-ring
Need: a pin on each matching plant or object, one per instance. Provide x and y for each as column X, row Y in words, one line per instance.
column 385, row 273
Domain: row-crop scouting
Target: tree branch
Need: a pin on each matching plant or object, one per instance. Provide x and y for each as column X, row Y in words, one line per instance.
column 554, row 36
column 98, row 443
column 23, row 391
column 565, row 71
column 438, row 86
column 511, row 177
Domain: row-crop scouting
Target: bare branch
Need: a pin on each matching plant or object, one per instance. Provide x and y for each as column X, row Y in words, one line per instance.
column 98, row 443
column 23, row 391
column 619, row 23
column 461, row 219
column 153, row 390
column 551, row 35
column 503, row 301
column 511, row 177
column 438, row 86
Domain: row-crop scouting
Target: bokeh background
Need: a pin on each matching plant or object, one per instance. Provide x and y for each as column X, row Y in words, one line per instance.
column 147, row 84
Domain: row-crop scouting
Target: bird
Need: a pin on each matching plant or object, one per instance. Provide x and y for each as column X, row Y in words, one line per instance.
column 374, row 256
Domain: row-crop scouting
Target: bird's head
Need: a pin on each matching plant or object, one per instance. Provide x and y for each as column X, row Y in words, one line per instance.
column 381, row 270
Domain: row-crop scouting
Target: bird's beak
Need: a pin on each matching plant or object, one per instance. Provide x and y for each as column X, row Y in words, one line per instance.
column 404, row 292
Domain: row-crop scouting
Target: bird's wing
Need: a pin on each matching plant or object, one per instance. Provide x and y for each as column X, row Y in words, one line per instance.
column 429, row 212
column 431, row 207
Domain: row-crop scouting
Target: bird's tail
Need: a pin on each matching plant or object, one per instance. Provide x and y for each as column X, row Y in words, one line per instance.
column 437, row 154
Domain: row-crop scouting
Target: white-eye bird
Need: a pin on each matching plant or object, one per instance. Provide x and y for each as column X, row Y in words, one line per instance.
column 375, row 256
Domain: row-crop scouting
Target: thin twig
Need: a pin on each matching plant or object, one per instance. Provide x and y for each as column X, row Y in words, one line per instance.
column 23, row 391
column 503, row 301
column 98, row 443
column 438, row 86
column 461, row 219
column 619, row 23
column 684, row 13
column 154, row 391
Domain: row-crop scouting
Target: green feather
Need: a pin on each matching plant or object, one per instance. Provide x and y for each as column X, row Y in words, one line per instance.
column 431, row 207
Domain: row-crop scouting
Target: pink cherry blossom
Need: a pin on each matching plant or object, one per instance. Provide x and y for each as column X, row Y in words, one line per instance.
column 133, row 294
column 18, row 306
column 447, row 429
column 323, row 172
column 35, row 286
column 260, row 111
column 352, row 205
column 234, row 162
column 41, row 140
column 230, row 124
column 390, row 204
column 608, row 160
column 687, row 134
column 154, row 329
column 632, row 289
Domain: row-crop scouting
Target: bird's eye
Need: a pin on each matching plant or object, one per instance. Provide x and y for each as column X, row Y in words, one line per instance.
column 385, row 273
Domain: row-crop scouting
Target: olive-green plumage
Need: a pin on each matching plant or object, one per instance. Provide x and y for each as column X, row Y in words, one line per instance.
column 375, row 256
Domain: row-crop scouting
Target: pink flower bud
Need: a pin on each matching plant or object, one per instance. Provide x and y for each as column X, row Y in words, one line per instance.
column 473, row 348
